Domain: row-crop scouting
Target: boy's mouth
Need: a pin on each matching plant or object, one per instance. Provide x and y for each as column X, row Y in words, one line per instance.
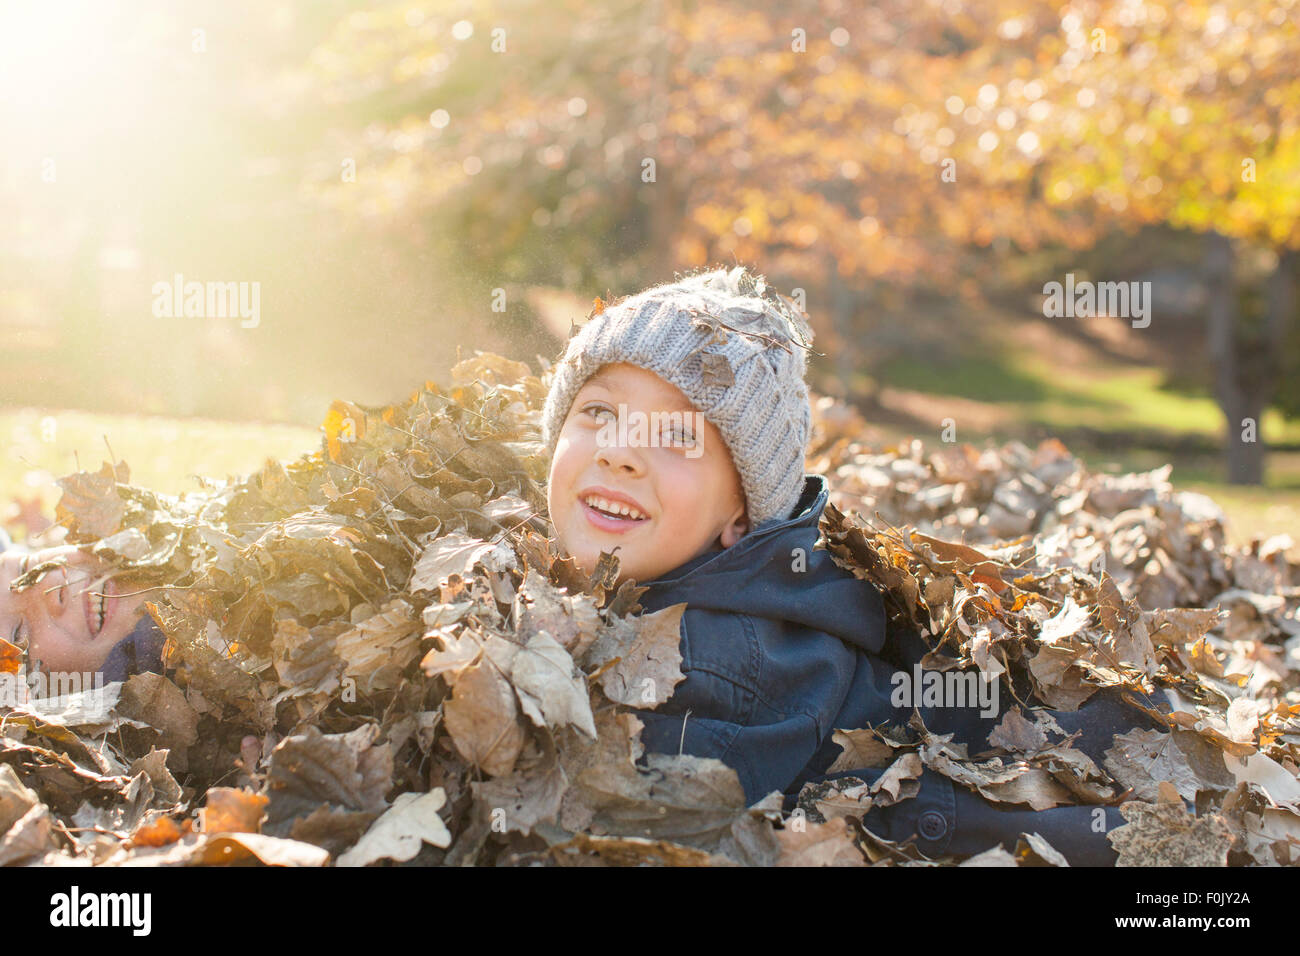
column 610, row 515
column 98, row 606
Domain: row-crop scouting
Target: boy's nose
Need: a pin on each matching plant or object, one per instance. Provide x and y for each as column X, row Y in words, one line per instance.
column 621, row 457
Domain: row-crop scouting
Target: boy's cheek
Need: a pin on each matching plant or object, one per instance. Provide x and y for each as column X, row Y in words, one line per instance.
column 56, row 655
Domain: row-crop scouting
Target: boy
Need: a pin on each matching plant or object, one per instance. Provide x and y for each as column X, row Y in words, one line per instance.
column 677, row 421
column 76, row 618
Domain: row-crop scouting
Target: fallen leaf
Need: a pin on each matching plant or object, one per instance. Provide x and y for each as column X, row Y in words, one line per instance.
column 411, row 821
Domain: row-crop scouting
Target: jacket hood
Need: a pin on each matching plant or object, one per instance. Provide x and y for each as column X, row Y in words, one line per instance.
column 775, row 572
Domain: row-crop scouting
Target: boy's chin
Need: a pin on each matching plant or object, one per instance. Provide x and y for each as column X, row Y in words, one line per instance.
column 628, row 565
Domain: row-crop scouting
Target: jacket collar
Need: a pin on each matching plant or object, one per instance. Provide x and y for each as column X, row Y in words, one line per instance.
column 803, row 523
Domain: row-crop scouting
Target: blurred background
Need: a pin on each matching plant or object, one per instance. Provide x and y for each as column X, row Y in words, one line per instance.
column 390, row 184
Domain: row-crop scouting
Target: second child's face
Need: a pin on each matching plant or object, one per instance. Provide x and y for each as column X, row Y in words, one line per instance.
column 683, row 486
column 73, row 616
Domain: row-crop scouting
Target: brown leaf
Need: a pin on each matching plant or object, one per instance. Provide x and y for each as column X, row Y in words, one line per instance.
column 687, row 799
column 1014, row 732
column 483, row 719
column 820, row 844
column 378, row 648
column 860, row 749
column 522, row 800
column 1065, row 623
column 1034, row 850
column 453, row 553
column 90, row 506
column 269, row 850
column 403, row 829
column 16, row 798
column 1165, row 834
column 634, row 851
column 11, row 657
column 1141, row 759
column 648, row 670
column 715, row 371
column 158, row 702
column 32, row 835
column 550, row 686
column 571, row 619
column 347, row 771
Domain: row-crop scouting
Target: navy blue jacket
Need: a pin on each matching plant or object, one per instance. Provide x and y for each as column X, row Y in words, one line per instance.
column 781, row 647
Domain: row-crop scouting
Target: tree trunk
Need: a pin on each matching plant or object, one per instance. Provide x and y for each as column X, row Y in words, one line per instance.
column 1281, row 312
column 1243, row 447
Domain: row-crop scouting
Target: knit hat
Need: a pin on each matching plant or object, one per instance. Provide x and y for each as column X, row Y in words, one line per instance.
column 735, row 348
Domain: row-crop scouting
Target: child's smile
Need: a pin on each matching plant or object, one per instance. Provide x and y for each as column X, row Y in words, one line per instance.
column 73, row 617
column 611, row 511
column 661, row 498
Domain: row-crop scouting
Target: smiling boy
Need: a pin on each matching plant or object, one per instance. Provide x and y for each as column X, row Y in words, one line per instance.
column 75, row 617
column 657, row 503
column 710, row 507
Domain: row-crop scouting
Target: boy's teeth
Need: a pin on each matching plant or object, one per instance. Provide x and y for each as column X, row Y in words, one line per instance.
column 600, row 504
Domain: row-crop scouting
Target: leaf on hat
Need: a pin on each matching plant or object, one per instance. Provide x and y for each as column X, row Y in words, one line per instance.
column 711, row 324
column 716, row 370
column 598, row 306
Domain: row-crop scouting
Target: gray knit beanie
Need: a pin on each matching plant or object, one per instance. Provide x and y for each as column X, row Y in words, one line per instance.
column 735, row 348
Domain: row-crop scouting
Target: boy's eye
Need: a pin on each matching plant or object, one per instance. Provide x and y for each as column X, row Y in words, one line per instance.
column 595, row 411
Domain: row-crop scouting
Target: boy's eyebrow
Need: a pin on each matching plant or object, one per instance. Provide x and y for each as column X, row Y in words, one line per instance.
column 605, row 380
column 600, row 378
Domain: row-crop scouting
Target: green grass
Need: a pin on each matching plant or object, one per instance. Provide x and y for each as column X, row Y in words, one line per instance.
column 1038, row 391
column 1120, row 401
column 163, row 454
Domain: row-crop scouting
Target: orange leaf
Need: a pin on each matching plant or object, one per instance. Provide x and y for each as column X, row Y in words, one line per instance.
column 230, row 810
column 11, row 657
column 159, row 832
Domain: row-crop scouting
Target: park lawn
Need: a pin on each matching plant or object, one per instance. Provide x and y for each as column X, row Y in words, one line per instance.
column 163, row 454
column 1057, row 396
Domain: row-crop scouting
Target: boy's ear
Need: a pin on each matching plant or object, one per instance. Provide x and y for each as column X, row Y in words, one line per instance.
column 735, row 529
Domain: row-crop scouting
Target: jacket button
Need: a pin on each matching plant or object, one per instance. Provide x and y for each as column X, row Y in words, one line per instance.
column 933, row 825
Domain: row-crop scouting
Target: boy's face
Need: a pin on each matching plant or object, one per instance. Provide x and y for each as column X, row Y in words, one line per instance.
column 622, row 443
column 72, row 617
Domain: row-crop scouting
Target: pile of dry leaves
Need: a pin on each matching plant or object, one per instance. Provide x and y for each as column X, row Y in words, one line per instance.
column 376, row 654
